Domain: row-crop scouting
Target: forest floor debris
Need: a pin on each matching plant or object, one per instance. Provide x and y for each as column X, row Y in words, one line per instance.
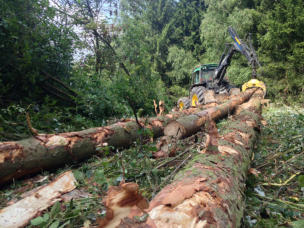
column 275, row 196
column 278, row 156
column 97, row 174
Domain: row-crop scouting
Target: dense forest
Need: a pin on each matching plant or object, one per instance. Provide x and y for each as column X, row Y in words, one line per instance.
column 71, row 65
column 75, row 64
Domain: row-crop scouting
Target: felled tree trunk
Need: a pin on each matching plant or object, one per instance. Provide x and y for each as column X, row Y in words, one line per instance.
column 46, row 151
column 188, row 125
column 209, row 190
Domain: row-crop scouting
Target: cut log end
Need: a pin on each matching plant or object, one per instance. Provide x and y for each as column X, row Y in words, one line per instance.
column 175, row 129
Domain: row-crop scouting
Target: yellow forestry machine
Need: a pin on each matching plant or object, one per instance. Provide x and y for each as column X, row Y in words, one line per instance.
column 210, row 77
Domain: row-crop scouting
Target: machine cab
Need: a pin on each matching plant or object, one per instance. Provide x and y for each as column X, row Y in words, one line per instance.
column 203, row 73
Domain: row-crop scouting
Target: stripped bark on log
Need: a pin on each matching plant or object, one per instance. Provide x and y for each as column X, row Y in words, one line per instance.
column 47, row 151
column 20, row 213
column 188, row 125
column 120, row 202
column 208, row 192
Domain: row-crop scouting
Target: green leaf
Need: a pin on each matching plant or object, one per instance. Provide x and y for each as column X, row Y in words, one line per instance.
column 55, row 210
column 78, row 175
column 37, row 221
column 55, row 224
column 64, row 224
column 301, row 180
column 298, row 224
column 99, row 176
column 46, row 217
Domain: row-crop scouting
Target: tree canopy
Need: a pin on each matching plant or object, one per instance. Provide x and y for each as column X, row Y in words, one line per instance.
column 100, row 59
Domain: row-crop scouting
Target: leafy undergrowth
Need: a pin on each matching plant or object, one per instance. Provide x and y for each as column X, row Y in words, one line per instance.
column 275, row 197
column 95, row 176
column 47, row 119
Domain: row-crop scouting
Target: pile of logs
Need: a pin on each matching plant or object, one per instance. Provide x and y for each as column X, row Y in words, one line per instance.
column 206, row 192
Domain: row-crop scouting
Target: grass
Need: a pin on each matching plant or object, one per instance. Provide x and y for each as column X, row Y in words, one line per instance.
column 274, row 198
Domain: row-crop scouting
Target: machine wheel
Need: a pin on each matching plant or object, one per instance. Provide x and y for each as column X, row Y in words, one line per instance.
column 197, row 95
column 183, row 103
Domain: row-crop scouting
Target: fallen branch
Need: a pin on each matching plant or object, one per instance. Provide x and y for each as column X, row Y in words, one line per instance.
column 291, row 204
column 171, row 174
column 284, row 183
column 33, row 131
column 172, row 159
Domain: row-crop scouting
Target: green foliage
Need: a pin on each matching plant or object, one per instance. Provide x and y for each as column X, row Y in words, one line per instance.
column 98, row 100
column 239, row 73
column 31, row 42
column 281, row 45
column 298, row 224
column 187, row 20
column 50, row 118
column 147, row 54
column 143, row 85
column 175, row 92
column 182, row 65
column 221, row 14
column 167, row 23
column 301, row 181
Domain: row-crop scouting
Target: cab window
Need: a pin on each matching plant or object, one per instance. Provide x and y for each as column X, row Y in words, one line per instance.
column 207, row 75
column 196, row 77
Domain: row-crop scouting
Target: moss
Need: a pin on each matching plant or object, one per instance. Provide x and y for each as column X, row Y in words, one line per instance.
column 256, row 117
column 239, row 126
column 191, row 171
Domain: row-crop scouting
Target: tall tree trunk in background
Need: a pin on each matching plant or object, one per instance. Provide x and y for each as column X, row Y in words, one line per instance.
column 97, row 56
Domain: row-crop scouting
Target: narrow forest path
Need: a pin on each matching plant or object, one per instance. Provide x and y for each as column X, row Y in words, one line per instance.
column 275, row 196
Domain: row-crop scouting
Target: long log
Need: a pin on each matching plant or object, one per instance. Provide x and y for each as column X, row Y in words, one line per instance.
column 208, row 191
column 47, row 151
column 188, row 125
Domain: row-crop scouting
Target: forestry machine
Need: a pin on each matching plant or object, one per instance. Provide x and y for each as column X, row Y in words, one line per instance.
column 212, row 76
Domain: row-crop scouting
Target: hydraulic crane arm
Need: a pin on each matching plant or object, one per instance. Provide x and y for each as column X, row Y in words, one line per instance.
column 237, row 46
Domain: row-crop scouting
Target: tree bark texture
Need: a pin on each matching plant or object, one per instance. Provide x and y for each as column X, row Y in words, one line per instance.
column 47, row 151
column 188, row 125
column 208, row 191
